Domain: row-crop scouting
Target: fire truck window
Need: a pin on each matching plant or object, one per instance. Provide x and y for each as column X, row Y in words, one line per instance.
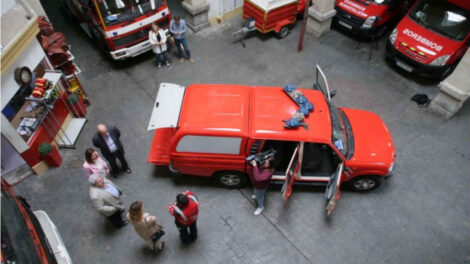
column 284, row 152
column 317, row 160
column 17, row 244
column 207, row 144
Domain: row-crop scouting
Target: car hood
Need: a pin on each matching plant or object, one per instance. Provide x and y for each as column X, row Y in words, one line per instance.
column 372, row 139
column 361, row 9
column 422, row 44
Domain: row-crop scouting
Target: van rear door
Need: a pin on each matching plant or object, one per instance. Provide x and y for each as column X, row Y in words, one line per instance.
column 164, row 119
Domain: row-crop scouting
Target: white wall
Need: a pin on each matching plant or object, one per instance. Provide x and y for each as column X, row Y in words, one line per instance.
column 6, row 5
column 219, row 7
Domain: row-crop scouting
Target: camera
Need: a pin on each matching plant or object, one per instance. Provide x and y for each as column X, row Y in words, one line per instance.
column 262, row 157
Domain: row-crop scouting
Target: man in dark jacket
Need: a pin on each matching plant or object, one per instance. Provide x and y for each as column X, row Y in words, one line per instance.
column 111, row 147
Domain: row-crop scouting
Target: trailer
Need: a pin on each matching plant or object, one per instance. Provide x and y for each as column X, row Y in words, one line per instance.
column 270, row 15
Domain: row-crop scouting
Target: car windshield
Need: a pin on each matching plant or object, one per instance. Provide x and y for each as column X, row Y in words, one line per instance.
column 17, row 244
column 118, row 11
column 442, row 17
column 339, row 132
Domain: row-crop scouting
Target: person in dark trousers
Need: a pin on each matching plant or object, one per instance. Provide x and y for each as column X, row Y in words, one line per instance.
column 107, row 140
column 261, row 180
column 106, row 199
column 185, row 210
column 178, row 30
column 157, row 38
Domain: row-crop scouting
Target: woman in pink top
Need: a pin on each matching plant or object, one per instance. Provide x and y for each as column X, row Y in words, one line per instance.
column 95, row 164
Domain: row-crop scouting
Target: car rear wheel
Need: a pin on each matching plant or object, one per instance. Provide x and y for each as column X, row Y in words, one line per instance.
column 230, row 179
column 364, row 183
column 285, row 30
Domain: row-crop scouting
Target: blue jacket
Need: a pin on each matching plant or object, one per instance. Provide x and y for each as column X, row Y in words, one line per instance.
column 181, row 28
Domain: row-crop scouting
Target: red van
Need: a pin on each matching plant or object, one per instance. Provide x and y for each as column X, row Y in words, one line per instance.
column 432, row 38
column 210, row 129
column 368, row 18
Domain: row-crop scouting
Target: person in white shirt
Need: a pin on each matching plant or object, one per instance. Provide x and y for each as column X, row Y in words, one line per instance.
column 157, row 38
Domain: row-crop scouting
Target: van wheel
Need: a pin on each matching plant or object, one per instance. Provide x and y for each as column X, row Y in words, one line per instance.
column 284, row 32
column 230, row 179
column 364, row 183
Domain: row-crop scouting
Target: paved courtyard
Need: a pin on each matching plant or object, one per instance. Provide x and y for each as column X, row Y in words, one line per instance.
column 420, row 215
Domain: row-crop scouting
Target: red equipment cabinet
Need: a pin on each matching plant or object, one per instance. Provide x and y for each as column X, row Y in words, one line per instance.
column 210, row 129
column 432, row 38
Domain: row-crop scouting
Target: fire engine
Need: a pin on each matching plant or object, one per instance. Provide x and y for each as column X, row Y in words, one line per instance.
column 432, row 38
column 120, row 27
column 28, row 236
column 369, row 18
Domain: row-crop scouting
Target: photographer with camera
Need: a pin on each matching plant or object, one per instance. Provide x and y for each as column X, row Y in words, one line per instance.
column 261, row 180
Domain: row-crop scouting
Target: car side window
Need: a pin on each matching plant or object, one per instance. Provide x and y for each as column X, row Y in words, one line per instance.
column 209, row 144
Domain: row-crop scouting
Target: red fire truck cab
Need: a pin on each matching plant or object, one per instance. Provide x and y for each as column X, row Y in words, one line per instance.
column 368, row 18
column 28, row 236
column 120, row 27
column 210, row 129
column 432, row 38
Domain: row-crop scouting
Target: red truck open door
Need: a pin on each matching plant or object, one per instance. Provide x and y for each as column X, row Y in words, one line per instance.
column 291, row 172
column 332, row 193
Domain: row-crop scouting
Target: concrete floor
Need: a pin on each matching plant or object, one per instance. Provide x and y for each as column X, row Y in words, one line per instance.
column 419, row 216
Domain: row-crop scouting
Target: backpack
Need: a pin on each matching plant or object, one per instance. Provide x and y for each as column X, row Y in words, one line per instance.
column 421, row 99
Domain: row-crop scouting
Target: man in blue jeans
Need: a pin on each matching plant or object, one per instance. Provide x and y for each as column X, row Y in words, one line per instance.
column 178, row 29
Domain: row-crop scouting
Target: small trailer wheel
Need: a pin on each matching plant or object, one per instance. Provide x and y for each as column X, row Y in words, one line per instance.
column 285, row 30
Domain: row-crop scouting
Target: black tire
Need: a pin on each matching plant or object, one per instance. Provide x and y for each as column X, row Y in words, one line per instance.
column 285, row 30
column 365, row 183
column 230, row 179
column 99, row 41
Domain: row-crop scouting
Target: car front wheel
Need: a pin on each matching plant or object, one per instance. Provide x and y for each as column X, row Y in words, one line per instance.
column 230, row 179
column 364, row 183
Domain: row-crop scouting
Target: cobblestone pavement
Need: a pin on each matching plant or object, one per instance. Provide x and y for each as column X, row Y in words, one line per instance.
column 421, row 215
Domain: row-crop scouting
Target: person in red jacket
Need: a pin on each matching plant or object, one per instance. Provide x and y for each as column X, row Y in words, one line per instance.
column 185, row 211
column 261, row 180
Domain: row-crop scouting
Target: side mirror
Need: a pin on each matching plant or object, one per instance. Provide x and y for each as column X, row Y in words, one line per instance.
column 333, row 93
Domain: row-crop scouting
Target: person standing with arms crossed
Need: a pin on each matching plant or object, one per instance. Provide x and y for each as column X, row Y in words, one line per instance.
column 185, row 210
column 178, row 29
